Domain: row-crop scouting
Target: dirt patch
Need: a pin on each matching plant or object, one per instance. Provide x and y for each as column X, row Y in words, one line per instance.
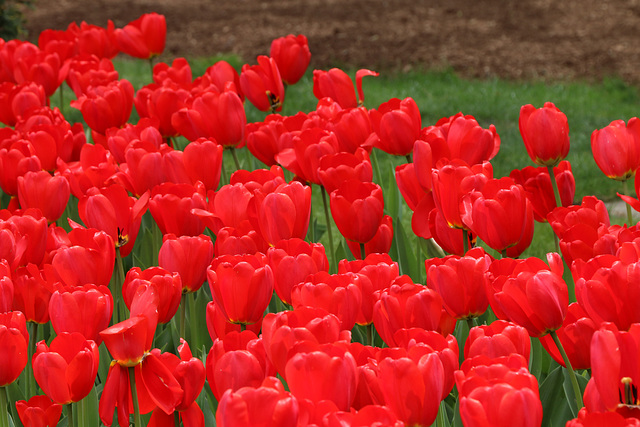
column 540, row 39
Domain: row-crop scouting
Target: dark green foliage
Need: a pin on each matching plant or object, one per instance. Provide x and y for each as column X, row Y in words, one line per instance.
column 12, row 19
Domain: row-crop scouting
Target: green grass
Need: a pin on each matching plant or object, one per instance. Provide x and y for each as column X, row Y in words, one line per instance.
column 588, row 106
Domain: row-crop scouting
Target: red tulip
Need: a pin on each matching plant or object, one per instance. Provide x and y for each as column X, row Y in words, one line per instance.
column 339, row 167
column 596, row 419
column 461, row 137
column 189, row 372
column 86, row 309
column 235, row 361
column 48, row 193
column 30, row 64
column 14, row 339
column 108, row 106
column 407, row 305
column 95, row 40
column 529, row 293
column 537, row 185
column 500, row 215
column 143, row 38
column 16, row 160
column 337, row 85
column 379, row 244
column 94, row 169
column 500, row 338
column 283, row 213
column 327, row 372
column 409, row 186
column 241, row 286
column 267, row 405
column 167, row 286
column 575, row 335
column 39, row 411
column 20, row 100
column 171, row 205
column 203, row 161
column 284, row 332
column 31, row 294
column 112, row 210
column 616, row 148
column 29, row 230
column 339, row 294
column 498, row 394
column 219, row 326
column 161, row 102
column 460, row 282
column 292, row 261
column 218, row 115
column 66, row 370
column 292, row 56
column 357, row 209
column 88, row 70
column 189, row 256
column 545, row 132
column 262, row 84
column 397, row 124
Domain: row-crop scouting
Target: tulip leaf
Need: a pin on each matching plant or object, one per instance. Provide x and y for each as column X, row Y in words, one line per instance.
column 14, row 393
column 105, row 362
column 87, row 410
column 568, row 390
column 199, row 332
column 341, row 253
column 457, row 419
column 555, row 408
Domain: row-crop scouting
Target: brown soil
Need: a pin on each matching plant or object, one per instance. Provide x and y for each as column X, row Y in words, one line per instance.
column 519, row 39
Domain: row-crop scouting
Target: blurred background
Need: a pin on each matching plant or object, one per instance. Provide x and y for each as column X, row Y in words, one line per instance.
column 523, row 40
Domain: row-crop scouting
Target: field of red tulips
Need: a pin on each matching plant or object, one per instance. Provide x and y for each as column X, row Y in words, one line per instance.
column 109, row 229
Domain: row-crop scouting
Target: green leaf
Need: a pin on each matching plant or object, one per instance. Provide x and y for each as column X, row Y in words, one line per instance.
column 457, row 419
column 555, row 408
column 87, row 409
column 535, row 361
column 568, row 390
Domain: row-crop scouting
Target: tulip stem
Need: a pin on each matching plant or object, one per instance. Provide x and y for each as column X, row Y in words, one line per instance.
column 119, row 309
column 195, row 338
column 235, row 157
column 33, row 339
column 183, row 315
column 176, row 418
column 370, row 332
column 4, row 407
column 134, row 397
column 465, row 241
column 333, row 265
column 626, row 192
column 70, row 422
column 363, row 253
column 572, row 374
column 408, row 157
column 554, row 184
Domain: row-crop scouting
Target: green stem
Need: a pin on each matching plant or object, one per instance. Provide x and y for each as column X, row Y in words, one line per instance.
column 333, row 266
column 243, row 327
column 370, row 332
column 120, row 312
column 465, row 240
column 572, row 374
column 134, row 397
column 183, row 315
column 471, row 322
column 408, row 157
column 235, row 157
column 193, row 320
column 363, row 253
column 441, row 418
column 504, row 253
column 626, row 192
column 223, row 174
column 81, row 411
column 33, row 339
column 4, row 407
column 176, row 418
column 70, row 422
column 554, row 184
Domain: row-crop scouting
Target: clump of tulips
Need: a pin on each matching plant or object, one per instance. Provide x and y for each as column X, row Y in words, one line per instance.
column 111, row 228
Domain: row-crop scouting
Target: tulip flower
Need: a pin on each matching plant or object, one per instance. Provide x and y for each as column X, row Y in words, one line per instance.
column 461, row 137
column 95, row 167
column 339, row 294
column 67, row 368
column 189, row 256
column 499, row 393
column 262, row 84
column 241, row 286
column 31, row 294
column 595, row 419
column 15, row 161
column 501, row 215
column 29, row 228
column 203, row 162
column 171, row 204
column 307, row 148
column 161, row 102
column 460, row 282
column 219, row 327
column 500, row 338
column 89, row 70
column 339, row 167
column 357, row 209
column 167, row 286
column 14, row 340
column 379, row 244
column 545, row 132
column 143, row 38
column 85, row 309
column 267, row 405
column 292, row 261
column 48, row 193
column 218, row 115
column 529, row 293
column 20, row 100
column 397, row 124
column 237, row 360
column 616, row 148
column 291, row 54
column 30, row 64
column 327, row 372
column 337, row 85
column 39, row 411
